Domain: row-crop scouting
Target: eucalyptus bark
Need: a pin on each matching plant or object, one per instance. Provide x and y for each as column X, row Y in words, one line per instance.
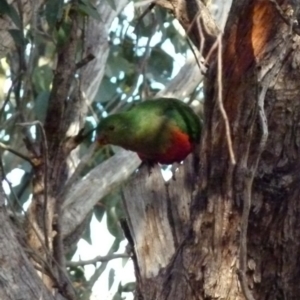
column 18, row 278
column 230, row 231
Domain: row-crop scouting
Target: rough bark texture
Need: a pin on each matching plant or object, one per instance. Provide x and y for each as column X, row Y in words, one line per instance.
column 18, row 278
column 205, row 243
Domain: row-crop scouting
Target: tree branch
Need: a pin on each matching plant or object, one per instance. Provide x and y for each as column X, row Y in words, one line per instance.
column 220, row 102
column 15, row 152
column 17, row 275
column 197, row 21
column 94, row 186
column 96, row 259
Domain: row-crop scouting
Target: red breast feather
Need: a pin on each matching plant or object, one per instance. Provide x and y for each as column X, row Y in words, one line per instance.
column 178, row 149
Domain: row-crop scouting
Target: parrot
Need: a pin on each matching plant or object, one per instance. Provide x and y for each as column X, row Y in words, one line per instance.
column 163, row 130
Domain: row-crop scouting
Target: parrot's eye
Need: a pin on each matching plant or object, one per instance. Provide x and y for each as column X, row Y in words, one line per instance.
column 111, row 127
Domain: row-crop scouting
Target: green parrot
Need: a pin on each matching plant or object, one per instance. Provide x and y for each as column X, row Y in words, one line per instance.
column 163, row 130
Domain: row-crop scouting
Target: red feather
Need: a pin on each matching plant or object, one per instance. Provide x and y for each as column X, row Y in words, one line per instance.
column 180, row 147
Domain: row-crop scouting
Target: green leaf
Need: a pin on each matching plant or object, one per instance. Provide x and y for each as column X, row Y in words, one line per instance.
column 113, row 223
column 87, row 234
column 128, row 50
column 71, row 253
column 4, row 7
column 117, row 296
column 180, row 44
column 26, row 166
column 99, row 212
column 53, row 11
column 9, row 9
column 115, row 246
column 9, row 160
column 111, row 278
column 18, row 37
column 160, row 63
column 77, row 274
column 129, row 287
column 106, row 91
column 42, row 78
column 124, row 261
column 63, row 34
column 144, row 29
column 88, row 9
column 111, row 3
column 116, row 64
column 41, row 105
column 110, row 201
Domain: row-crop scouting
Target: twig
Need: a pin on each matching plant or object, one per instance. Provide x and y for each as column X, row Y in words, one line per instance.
column 202, row 67
column 7, row 99
column 220, row 102
column 142, row 3
column 96, row 259
column 85, row 61
column 45, row 153
column 89, row 285
column 206, row 26
column 15, row 152
column 145, row 12
column 60, row 286
column 211, row 51
column 73, row 141
column 44, row 264
column 200, row 30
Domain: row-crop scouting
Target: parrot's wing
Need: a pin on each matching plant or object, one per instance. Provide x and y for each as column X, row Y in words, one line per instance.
column 185, row 119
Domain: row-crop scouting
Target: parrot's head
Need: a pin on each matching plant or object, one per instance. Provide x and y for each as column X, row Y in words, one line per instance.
column 112, row 130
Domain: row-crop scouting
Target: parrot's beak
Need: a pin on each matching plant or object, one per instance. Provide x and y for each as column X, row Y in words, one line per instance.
column 101, row 141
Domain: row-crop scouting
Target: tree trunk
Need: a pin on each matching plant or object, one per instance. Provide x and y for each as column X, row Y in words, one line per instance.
column 18, row 278
column 230, row 230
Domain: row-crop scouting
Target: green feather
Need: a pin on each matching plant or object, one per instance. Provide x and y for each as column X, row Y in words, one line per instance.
column 146, row 127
